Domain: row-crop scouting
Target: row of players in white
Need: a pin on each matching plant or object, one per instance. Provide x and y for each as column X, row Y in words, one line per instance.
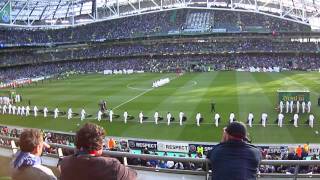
column 26, row 111
column 7, row 100
column 264, row 117
column 160, row 82
column 297, row 105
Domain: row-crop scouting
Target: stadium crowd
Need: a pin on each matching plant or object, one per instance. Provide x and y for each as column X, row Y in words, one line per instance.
column 119, row 50
column 190, row 63
column 148, row 25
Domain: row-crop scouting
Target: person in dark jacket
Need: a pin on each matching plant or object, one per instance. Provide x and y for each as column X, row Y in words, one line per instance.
column 234, row 158
column 87, row 162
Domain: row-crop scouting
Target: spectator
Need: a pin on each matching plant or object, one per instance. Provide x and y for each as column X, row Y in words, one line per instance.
column 88, row 162
column 27, row 162
column 234, row 158
column 299, row 152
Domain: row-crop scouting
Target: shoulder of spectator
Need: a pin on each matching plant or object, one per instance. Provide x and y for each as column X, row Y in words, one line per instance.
column 123, row 172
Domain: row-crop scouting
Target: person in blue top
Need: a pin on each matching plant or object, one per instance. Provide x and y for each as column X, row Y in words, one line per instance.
column 234, row 158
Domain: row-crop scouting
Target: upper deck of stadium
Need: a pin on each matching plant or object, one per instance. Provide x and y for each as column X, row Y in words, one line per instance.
column 66, row 13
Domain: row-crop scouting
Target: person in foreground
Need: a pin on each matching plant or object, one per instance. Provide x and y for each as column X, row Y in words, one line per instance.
column 26, row 164
column 234, row 158
column 87, row 162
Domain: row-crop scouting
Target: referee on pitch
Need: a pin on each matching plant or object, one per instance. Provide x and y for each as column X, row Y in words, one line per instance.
column 213, row 106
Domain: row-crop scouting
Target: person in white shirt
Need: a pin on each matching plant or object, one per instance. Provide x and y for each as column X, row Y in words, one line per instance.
column 45, row 111
column 35, row 111
column 99, row 115
column 27, row 111
column 110, row 115
column 281, row 106
column 156, row 117
column 217, row 119
column 69, row 113
column 141, row 117
column 295, row 120
column 280, row 119
column 250, row 119
column 198, row 117
column 16, row 98
column 303, row 106
column 298, row 107
column 309, row 106
column 14, row 108
column 169, row 118
column 23, row 111
column 311, row 120
column 287, row 106
column 56, row 113
column 181, row 114
column 9, row 108
column 231, row 117
column 125, row 117
column 18, row 110
column 82, row 114
column 264, row 117
column 4, row 109
column 291, row 106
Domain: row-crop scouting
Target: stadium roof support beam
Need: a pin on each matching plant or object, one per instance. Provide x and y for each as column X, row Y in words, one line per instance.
column 33, row 8
column 157, row 5
column 80, row 7
column 55, row 11
column 24, row 6
column 40, row 17
column 67, row 12
column 134, row 8
column 297, row 10
column 5, row 4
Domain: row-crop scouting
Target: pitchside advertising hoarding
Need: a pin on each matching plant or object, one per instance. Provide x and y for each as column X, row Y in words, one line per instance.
column 173, row 147
column 293, row 95
column 134, row 144
column 206, row 147
column 274, row 149
column 185, row 147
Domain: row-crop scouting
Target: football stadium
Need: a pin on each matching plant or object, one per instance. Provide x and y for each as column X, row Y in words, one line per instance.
column 175, row 85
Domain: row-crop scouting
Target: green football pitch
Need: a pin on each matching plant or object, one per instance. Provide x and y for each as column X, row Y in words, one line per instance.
column 239, row 92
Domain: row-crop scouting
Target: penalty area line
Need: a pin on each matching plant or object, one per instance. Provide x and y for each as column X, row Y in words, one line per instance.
column 144, row 92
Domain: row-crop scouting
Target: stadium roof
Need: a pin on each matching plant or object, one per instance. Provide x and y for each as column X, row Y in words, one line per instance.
column 60, row 13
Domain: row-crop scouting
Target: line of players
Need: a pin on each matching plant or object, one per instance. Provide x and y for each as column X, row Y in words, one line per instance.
column 217, row 118
column 25, row 111
column 279, row 120
column 290, row 106
column 6, row 100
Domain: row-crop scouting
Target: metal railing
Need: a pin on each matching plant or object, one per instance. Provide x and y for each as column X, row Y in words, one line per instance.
column 206, row 172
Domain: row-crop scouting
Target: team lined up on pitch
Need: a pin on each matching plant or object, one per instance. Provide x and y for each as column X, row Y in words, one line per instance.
column 8, row 108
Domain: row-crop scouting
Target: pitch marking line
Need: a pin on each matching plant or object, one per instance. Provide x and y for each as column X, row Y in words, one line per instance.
column 144, row 92
column 129, row 86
